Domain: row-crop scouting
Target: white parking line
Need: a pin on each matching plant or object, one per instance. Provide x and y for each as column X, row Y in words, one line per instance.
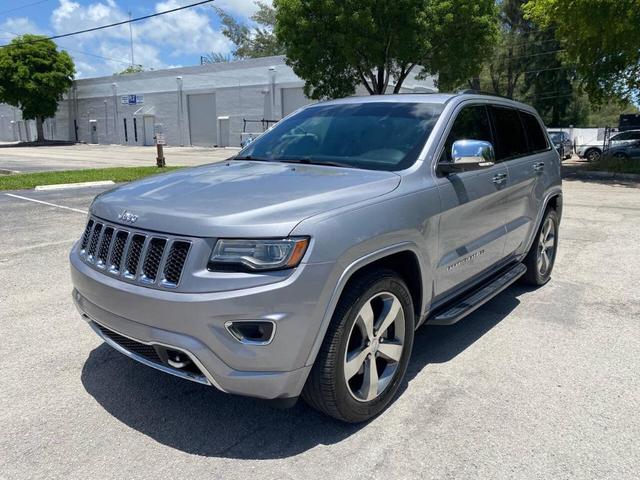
column 46, row 203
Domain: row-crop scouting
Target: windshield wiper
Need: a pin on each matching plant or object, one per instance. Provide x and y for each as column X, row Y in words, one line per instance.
column 251, row 157
column 309, row 161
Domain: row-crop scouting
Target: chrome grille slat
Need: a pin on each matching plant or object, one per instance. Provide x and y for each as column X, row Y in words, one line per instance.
column 135, row 256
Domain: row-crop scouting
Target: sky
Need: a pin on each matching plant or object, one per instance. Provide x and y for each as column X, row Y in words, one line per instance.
column 172, row 40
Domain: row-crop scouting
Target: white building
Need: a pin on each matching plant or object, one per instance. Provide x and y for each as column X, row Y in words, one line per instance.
column 203, row 105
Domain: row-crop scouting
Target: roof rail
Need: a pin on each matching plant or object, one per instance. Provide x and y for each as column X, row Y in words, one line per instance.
column 472, row 91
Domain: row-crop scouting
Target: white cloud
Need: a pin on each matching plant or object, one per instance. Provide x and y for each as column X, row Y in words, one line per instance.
column 244, row 8
column 12, row 27
column 187, row 33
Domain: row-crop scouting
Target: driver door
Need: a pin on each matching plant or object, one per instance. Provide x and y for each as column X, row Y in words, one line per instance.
column 472, row 222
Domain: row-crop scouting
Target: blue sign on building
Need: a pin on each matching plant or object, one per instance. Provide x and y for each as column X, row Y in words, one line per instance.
column 132, row 99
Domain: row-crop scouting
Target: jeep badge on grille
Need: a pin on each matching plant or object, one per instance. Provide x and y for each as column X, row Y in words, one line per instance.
column 127, row 217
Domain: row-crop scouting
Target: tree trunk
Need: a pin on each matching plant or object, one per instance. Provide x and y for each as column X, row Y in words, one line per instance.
column 39, row 129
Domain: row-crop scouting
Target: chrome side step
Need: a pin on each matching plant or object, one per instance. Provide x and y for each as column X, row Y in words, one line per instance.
column 459, row 309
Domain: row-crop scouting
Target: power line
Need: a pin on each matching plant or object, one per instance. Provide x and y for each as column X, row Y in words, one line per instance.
column 23, row 6
column 82, row 52
column 124, row 22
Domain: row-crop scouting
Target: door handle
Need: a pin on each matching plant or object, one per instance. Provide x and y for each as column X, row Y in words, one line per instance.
column 499, row 178
column 538, row 166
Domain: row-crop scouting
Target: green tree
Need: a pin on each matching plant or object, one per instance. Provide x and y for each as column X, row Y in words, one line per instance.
column 214, row 57
column 601, row 38
column 252, row 41
column 132, row 69
column 335, row 45
column 33, row 77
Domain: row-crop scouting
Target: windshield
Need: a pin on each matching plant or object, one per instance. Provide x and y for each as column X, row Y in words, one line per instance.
column 375, row 136
column 556, row 137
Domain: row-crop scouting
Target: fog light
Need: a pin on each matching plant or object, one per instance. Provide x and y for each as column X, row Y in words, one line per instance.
column 252, row 332
column 177, row 359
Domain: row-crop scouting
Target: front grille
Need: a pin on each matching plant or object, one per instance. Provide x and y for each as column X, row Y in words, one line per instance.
column 104, row 245
column 118, row 250
column 147, row 351
column 93, row 244
column 86, row 235
column 138, row 256
column 175, row 262
column 154, row 256
column 133, row 256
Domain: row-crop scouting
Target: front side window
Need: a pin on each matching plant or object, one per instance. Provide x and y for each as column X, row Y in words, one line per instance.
column 376, row 136
column 511, row 140
column 472, row 123
column 537, row 138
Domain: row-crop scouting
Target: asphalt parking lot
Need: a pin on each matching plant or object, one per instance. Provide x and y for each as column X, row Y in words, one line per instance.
column 536, row 384
column 79, row 156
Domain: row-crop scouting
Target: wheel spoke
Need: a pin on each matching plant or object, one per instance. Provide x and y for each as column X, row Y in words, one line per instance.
column 365, row 320
column 390, row 316
column 547, row 228
column 370, row 382
column 354, row 362
column 390, row 351
column 545, row 261
column 549, row 242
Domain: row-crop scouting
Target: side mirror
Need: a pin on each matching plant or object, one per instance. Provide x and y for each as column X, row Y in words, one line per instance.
column 469, row 155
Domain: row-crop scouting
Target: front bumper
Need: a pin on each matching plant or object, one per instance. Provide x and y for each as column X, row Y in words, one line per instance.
column 194, row 323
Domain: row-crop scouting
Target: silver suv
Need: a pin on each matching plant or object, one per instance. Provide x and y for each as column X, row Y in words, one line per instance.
column 303, row 265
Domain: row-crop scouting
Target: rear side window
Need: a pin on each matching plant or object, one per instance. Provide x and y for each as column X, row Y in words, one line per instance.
column 472, row 123
column 537, row 138
column 511, row 140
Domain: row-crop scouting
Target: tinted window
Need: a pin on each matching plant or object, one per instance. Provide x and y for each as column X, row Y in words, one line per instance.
column 511, row 140
column 472, row 123
column 537, row 139
column 371, row 135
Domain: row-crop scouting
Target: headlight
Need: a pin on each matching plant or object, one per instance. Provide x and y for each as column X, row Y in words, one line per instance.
column 267, row 254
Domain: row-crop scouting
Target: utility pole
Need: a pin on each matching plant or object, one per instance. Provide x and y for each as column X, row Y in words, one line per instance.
column 131, row 38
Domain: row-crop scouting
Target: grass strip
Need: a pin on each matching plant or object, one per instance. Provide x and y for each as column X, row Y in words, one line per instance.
column 616, row 165
column 23, row 181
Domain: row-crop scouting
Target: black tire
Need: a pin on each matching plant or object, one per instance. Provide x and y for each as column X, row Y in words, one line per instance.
column 620, row 156
column 535, row 275
column 592, row 155
column 326, row 389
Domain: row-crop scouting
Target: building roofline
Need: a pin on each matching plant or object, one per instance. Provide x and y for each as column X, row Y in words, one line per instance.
column 196, row 69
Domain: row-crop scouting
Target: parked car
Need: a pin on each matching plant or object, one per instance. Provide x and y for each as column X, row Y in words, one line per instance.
column 562, row 143
column 625, row 151
column 303, row 265
column 592, row 151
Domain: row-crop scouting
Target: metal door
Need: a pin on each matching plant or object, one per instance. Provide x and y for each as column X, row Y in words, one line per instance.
column 202, row 119
column 148, row 121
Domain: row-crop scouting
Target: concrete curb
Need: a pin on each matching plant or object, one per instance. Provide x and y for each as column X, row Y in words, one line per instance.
column 66, row 186
column 4, row 171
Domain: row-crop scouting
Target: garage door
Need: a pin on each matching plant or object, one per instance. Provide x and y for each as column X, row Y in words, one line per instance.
column 293, row 99
column 202, row 119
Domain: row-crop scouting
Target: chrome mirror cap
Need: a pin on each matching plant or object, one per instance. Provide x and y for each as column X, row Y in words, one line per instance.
column 473, row 152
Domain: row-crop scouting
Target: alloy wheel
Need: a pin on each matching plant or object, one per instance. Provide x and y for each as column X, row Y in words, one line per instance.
column 374, row 347
column 546, row 246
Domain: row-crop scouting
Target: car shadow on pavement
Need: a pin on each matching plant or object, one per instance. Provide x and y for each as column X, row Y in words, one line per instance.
column 200, row 420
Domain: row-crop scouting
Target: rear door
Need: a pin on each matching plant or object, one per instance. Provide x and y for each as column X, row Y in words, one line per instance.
column 523, row 147
column 472, row 230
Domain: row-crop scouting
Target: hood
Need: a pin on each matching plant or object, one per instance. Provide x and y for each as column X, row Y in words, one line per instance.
column 240, row 198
